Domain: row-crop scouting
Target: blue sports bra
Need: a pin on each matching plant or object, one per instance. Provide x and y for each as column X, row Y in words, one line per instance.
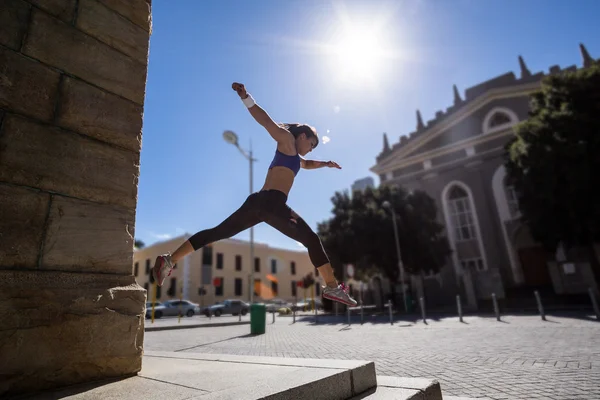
column 283, row 160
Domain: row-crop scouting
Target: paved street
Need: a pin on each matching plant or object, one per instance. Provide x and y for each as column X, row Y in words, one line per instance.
column 521, row 357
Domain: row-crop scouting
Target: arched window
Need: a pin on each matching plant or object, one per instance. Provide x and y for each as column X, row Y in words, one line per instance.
column 499, row 118
column 463, row 226
column 461, row 214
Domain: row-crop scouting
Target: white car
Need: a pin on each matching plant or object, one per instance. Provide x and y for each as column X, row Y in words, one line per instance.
column 172, row 308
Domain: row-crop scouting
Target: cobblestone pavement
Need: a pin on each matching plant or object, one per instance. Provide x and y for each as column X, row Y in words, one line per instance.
column 521, row 357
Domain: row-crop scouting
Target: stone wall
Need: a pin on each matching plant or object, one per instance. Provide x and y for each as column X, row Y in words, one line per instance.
column 72, row 87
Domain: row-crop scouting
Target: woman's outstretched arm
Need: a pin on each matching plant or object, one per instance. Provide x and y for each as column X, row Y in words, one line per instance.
column 312, row 164
column 281, row 135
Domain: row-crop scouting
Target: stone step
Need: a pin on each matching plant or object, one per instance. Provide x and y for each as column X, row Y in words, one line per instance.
column 278, row 378
column 392, row 387
column 396, row 388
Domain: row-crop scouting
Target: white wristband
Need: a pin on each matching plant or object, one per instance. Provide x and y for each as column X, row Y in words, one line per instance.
column 248, row 101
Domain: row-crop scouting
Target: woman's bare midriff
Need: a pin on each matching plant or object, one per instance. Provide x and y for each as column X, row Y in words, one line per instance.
column 279, row 178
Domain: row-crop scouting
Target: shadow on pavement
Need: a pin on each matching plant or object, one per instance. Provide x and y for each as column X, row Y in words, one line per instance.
column 412, row 319
column 219, row 341
column 406, row 320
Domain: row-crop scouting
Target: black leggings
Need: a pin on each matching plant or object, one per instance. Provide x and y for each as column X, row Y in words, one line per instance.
column 265, row 206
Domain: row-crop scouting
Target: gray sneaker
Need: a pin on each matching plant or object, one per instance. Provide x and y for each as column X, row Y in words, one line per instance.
column 339, row 294
column 162, row 268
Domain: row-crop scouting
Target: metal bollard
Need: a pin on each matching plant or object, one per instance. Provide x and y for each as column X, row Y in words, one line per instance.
column 295, row 306
column 539, row 304
column 459, row 306
column 240, row 317
column 594, row 303
column 273, row 316
column 348, row 308
column 390, row 308
column 316, row 313
column 422, row 303
column 362, row 314
column 496, row 309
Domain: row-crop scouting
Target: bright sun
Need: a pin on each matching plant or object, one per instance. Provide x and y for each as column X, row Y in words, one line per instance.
column 359, row 55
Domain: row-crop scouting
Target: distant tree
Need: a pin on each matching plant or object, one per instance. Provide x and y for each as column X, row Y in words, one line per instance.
column 341, row 241
column 361, row 232
column 138, row 244
column 554, row 159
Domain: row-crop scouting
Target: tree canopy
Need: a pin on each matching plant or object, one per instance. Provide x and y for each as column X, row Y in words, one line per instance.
column 554, row 159
column 361, row 232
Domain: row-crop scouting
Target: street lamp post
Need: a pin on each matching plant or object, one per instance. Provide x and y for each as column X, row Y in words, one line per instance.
column 386, row 204
column 232, row 138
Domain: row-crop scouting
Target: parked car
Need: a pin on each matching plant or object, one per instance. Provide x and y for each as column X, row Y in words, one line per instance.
column 274, row 305
column 233, row 307
column 172, row 308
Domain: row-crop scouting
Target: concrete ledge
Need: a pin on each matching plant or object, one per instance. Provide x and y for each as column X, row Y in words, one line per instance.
column 190, row 376
column 221, row 376
column 187, row 326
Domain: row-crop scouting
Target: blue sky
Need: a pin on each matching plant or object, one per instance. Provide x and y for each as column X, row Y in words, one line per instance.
column 290, row 55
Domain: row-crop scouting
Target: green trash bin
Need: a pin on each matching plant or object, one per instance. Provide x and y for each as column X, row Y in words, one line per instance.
column 258, row 318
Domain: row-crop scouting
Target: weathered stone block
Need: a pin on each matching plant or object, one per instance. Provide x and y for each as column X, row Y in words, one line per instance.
column 88, row 236
column 63, row 9
column 86, row 109
column 14, row 15
column 113, row 29
column 65, row 328
column 22, row 216
column 66, row 48
column 52, row 159
column 28, row 87
column 137, row 11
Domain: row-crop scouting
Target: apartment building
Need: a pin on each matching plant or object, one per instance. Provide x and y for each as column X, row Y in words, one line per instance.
column 226, row 263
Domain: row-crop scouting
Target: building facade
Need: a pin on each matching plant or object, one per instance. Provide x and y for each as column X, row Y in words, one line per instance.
column 276, row 272
column 458, row 159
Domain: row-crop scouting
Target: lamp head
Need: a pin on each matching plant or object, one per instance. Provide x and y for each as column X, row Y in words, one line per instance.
column 230, row 137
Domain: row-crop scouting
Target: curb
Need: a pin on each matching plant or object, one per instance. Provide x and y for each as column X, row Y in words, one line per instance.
column 187, row 326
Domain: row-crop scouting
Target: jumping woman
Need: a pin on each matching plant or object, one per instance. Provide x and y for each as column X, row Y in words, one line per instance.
column 268, row 205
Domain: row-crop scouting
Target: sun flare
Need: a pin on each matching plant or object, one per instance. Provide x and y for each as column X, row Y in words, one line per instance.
column 359, row 54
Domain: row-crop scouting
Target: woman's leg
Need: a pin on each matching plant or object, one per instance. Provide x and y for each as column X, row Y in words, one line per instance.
column 288, row 222
column 243, row 218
